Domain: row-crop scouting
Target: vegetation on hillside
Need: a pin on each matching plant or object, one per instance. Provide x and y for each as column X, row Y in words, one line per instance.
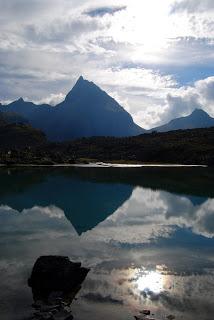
column 23, row 144
column 19, row 136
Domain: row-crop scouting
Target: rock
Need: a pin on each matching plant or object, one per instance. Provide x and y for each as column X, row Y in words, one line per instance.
column 43, row 316
column 55, row 281
column 170, row 317
column 146, row 312
column 63, row 315
column 47, row 308
column 47, row 316
column 56, row 276
column 143, row 317
column 37, row 304
column 69, row 317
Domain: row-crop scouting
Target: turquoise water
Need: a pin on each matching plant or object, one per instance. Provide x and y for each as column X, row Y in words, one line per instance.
column 147, row 234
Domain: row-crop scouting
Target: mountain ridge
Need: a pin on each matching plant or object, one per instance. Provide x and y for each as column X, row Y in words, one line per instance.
column 86, row 111
column 197, row 119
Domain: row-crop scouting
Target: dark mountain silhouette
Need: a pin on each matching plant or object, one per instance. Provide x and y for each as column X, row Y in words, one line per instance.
column 92, row 112
column 86, row 111
column 39, row 116
column 89, row 111
column 197, row 119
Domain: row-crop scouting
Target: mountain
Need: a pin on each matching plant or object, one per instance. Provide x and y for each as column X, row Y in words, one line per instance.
column 93, row 112
column 15, row 131
column 38, row 116
column 86, row 111
column 197, row 119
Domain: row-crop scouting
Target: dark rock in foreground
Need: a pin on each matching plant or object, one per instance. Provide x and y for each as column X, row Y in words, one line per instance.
column 55, row 281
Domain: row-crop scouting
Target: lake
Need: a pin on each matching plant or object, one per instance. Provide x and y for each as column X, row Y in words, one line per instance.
column 147, row 235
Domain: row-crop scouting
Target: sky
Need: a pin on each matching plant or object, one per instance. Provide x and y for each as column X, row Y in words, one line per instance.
column 156, row 58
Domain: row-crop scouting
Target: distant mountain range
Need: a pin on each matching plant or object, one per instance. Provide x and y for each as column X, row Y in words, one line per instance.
column 89, row 111
column 86, row 111
column 197, row 119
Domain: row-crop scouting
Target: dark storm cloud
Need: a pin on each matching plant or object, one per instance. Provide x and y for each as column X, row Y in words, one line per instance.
column 100, row 12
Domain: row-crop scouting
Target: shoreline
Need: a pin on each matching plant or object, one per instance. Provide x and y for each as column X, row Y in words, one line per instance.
column 108, row 165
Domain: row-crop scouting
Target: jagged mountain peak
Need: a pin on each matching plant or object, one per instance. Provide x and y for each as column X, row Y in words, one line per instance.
column 82, row 88
column 20, row 100
column 199, row 112
column 86, row 111
column 197, row 119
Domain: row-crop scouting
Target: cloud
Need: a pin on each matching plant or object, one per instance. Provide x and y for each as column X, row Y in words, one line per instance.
column 62, row 31
column 51, row 211
column 102, row 11
column 101, row 299
column 46, row 45
column 193, row 6
column 177, row 106
column 52, row 100
column 174, row 102
column 186, row 99
column 205, row 88
column 34, row 218
column 154, row 215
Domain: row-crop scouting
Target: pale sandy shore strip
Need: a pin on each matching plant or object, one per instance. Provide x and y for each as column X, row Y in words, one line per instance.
column 119, row 165
column 108, row 165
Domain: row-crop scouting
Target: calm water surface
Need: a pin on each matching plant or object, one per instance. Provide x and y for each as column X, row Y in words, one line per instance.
column 146, row 233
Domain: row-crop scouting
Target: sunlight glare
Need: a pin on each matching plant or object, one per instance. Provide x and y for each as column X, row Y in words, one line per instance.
column 147, row 23
column 151, row 281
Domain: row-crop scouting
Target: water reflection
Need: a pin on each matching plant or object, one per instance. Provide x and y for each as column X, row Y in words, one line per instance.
column 150, row 281
column 151, row 247
column 73, row 196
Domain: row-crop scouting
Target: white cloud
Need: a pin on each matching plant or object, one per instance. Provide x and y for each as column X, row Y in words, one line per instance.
column 52, row 100
column 186, row 99
column 149, row 214
column 51, row 211
column 159, row 104
column 46, row 45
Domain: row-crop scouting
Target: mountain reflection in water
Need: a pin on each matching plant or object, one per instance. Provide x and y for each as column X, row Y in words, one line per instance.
column 145, row 233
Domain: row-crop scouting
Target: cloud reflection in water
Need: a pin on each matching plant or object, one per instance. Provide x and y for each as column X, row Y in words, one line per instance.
column 133, row 257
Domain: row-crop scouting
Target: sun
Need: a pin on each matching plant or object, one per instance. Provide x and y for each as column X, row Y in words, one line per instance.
column 145, row 24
